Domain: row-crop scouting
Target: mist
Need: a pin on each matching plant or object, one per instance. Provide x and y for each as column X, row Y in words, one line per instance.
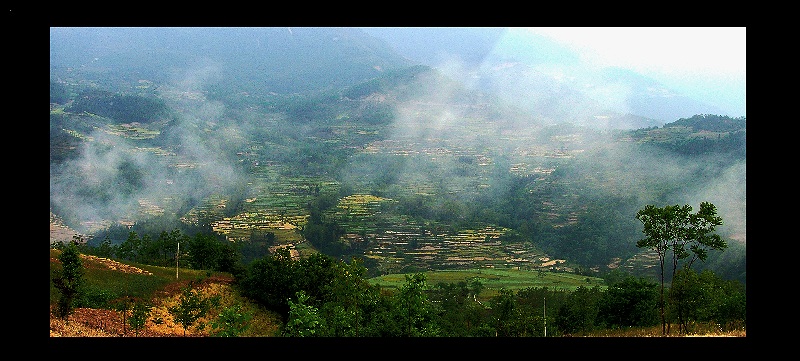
column 555, row 105
column 116, row 180
column 514, row 102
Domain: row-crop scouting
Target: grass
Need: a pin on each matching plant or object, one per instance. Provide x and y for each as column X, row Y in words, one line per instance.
column 494, row 279
column 107, row 280
column 101, row 278
column 695, row 330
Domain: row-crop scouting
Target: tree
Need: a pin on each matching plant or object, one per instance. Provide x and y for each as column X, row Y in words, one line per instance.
column 704, row 297
column 350, row 299
column 123, row 305
column 231, row 322
column 579, row 312
column 149, row 251
column 69, row 279
column 164, row 248
column 271, row 281
column 204, row 251
column 139, row 315
column 413, row 311
column 130, row 248
column 673, row 229
column 460, row 312
column 192, row 307
column 105, row 249
column 504, row 313
column 304, row 319
column 631, row 302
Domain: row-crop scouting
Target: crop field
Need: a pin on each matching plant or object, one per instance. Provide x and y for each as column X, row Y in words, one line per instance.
column 495, row 279
column 385, row 167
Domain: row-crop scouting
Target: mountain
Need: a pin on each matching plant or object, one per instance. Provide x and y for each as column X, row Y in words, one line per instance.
column 326, row 139
column 262, row 60
column 531, row 69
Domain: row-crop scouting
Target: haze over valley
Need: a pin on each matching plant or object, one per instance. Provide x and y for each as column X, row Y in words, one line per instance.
column 414, row 148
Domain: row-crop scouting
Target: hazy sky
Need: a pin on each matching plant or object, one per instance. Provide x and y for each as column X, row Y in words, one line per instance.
column 707, row 62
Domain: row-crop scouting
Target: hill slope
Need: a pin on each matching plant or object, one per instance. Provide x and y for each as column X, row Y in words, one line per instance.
column 412, row 167
column 255, row 60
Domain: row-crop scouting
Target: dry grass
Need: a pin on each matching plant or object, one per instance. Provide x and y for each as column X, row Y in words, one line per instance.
column 656, row 331
column 89, row 322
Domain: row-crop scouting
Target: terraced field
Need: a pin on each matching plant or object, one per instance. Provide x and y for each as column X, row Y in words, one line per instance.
column 447, row 160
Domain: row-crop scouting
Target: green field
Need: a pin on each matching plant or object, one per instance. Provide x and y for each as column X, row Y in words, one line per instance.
column 494, row 279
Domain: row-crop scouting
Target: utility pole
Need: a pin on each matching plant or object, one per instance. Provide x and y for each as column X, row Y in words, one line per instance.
column 545, row 315
column 177, row 254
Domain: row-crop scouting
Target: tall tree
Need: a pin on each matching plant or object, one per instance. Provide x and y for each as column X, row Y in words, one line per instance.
column 672, row 229
column 349, row 299
column 130, row 248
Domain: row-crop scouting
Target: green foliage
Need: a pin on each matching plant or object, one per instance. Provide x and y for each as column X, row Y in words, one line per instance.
column 68, row 280
column 139, row 315
column 130, row 248
column 672, row 229
column 232, row 321
column 58, row 93
column 504, row 313
column 204, row 251
column 706, row 298
column 344, row 304
column 321, row 232
column 304, row 320
column 191, row 307
column 711, row 123
column 460, row 313
column 270, row 281
column 488, row 281
column 579, row 313
column 699, row 135
column 413, row 312
column 348, row 301
column 92, row 296
column 125, row 108
column 104, row 250
column 631, row 302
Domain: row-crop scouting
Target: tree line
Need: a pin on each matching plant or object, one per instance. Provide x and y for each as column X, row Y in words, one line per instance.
column 320, row 295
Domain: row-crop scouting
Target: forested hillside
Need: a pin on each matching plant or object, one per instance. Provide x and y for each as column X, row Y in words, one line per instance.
column 315, row 182
column 399, row 165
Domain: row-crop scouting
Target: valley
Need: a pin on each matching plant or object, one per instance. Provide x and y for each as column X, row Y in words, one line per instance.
column 406, row 167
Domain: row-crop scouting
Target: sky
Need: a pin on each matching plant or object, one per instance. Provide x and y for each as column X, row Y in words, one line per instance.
column 705, row 62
